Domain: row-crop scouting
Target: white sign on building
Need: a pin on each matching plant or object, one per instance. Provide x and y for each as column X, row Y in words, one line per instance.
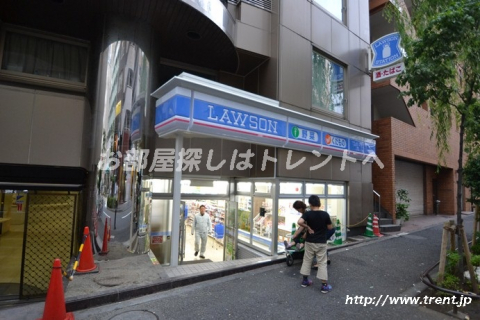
column 388, row 72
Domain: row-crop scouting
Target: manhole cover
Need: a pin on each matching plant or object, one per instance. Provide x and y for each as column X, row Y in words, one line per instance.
column 135, row 314
column 109, row 281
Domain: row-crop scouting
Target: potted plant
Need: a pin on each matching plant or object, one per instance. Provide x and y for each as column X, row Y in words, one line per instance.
column 402, row 205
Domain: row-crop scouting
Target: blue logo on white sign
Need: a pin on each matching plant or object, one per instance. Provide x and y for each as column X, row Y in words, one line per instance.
column 386, row 50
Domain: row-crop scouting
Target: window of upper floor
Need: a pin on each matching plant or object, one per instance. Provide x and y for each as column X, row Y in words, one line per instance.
column 336, row 8
column 43, row 59
column 328, row 85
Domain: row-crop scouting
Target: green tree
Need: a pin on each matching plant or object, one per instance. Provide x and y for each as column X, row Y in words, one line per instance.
column 441, row 39
column 471, row 175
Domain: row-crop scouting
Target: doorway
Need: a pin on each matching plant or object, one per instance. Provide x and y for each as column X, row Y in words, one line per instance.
column 435, row 195
column 36, row 227
column 12, row 226
column 217, row 210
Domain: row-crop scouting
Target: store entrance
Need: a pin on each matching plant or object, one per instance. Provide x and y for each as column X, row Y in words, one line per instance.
column 217, row 211
column 12, row 225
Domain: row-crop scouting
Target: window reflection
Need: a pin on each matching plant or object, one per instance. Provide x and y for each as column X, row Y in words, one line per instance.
column 244, row 217
column 262, row 223
column 263, row 187
column 315, row 188
column 336, row 189
column 244, row 187
column 290, row 188
column 335, row 7
column 126, row 82
column 327, row 84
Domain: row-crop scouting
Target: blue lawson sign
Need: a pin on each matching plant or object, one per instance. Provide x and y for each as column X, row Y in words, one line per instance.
column 241, row 121
column 246, row 124
column 356, row 146
column 386, row 50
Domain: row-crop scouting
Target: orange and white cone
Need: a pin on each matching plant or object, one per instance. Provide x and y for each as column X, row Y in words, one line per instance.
column 376, row 229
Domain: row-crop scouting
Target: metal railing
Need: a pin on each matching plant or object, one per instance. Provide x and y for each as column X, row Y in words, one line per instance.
column 375, row 193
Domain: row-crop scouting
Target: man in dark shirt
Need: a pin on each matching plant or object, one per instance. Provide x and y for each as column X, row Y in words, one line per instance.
column 317, row 222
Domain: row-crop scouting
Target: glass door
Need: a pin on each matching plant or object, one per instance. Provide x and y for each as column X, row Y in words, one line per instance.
column 262, row 223
column 12, row 224
column 182, row 233
column 230, row 232
column 244, row 218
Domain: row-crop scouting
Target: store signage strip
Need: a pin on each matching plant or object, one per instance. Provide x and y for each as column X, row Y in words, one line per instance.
column 260, row 127
column 174, row 110
column 238, row 120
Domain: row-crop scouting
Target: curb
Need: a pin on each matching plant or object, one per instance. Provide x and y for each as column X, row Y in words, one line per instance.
column 172, row 283
column 107, row 297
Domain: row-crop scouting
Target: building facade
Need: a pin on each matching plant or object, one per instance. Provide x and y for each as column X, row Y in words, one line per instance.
column 257, row 103
column 406, row 145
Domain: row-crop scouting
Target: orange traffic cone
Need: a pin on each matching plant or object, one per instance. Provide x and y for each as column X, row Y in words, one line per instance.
column 376, row 229
column 55, row 303
column 105, row 239
column 86, row 264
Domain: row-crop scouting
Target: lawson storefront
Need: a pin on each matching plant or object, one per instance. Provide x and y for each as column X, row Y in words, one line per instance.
column 247, row 160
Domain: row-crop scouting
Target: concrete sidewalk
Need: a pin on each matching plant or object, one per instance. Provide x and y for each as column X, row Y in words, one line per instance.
column 137, row 275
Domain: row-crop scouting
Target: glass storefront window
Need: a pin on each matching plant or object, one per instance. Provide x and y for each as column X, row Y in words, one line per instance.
column 287, row 216
column 263, row 187
column 291, row 188
column 337, row 210
column 255, row 216
column 204, row 187
column 160, row 185
column 262, row 223
column 336, row 189
column 244, row 217
column 35, row 57
column 315, row 188
column 244, row 187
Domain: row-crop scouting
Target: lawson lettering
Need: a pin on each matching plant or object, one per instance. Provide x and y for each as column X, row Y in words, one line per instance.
column 241, row 119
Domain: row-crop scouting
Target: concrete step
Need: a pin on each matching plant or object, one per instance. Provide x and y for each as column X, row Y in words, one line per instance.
column 390, row 228
column 384, row 221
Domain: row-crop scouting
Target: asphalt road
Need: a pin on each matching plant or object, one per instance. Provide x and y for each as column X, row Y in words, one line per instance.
column 120, row 221
column 390, row 266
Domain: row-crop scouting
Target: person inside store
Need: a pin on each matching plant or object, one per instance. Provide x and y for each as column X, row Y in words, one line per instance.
column 202, row 225
column 317, row 223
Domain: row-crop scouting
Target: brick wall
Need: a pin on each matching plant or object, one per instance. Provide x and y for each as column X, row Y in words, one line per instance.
column 384, row 179
column 412, row 143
